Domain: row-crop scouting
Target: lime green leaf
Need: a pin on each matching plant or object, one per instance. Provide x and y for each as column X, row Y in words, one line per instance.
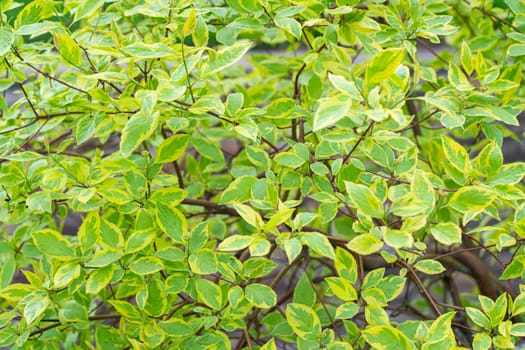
column 239, row 190
column 148, row 51
column 104, row 257
column 87, row 8
column 303, row 320
column 516, row 50
column 386, row 338
column 176, row 328
column 249, row 215
column 7, row 38
column 172, row 148
column 235, row 242
column 509, row 174
column 289, row 159
column 458, row 79
column 68, row 49
column 365, row 244
column 73, row 311
column 346, row 87
column 289, row 25
column 319, row 244
column 280, row 108
column 171, row 221
column 139, row 240
column 209, row 293
column 34, row 307
column 65, row 274
column 137, row 129
column 364, row 200
column 478, row 317
column 342, row 288
column 330, row 111
column 226, row 57
column 99, row 279
column 146, row 265
column 458, row 163
column 345, row 264
column 203, row 262
column 397, row 238
column 447, row 233
column 260, row 295
column 53, row 244
column 346, row 310
column 471, row 199
column 292, row 248
column 383, row 65
column 429, row 267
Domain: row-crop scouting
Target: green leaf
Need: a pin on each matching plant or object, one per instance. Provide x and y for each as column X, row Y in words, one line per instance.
column 289, row 25
column 281, row 108
column 73, row 311
column 472, row 199
column 171, row 221
column 346, row 87
column 87, row 8
column 446, row 233
column 319, row 244
column 172, row 148
column 429, row 266
column 386, row 338
column 364, row 200
column 509, row 174
column 365, row 244
column 52, row 243
column 34, row 307
column 292, row 248
column 239, row 190
column 209, row 293
column 458, row 79
column 235, row 242
column 65, row 274
column 346, row 311
column 516, row 50
column 383, row 65
column 345, row 264
column 226, row 57
column 208, row 149
column 103, row 258
column 139, row 240
column 458, row 162
column 260, row 295
column 303, row 320
column 330, row 111
column 342, row 288
column 68, row 49
column 249, row 215
column 176, row 328
column 99, row 279
column 289, row 159
column 398, row 238
column 137, row 129
column 110, row 234
column 478, row 317
column 7, row 38
column 203, row 262
column 146, row 265
column 149, row 51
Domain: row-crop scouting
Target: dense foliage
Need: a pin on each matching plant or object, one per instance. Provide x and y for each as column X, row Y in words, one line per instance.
column 255, row 173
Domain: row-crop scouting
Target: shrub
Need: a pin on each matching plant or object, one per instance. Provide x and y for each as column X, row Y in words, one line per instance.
column 249, row 174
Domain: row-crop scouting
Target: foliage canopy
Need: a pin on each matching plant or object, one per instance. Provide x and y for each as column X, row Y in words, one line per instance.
column 251, row 173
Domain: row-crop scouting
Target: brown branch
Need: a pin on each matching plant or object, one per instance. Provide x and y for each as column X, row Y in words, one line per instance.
column 361, row 138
